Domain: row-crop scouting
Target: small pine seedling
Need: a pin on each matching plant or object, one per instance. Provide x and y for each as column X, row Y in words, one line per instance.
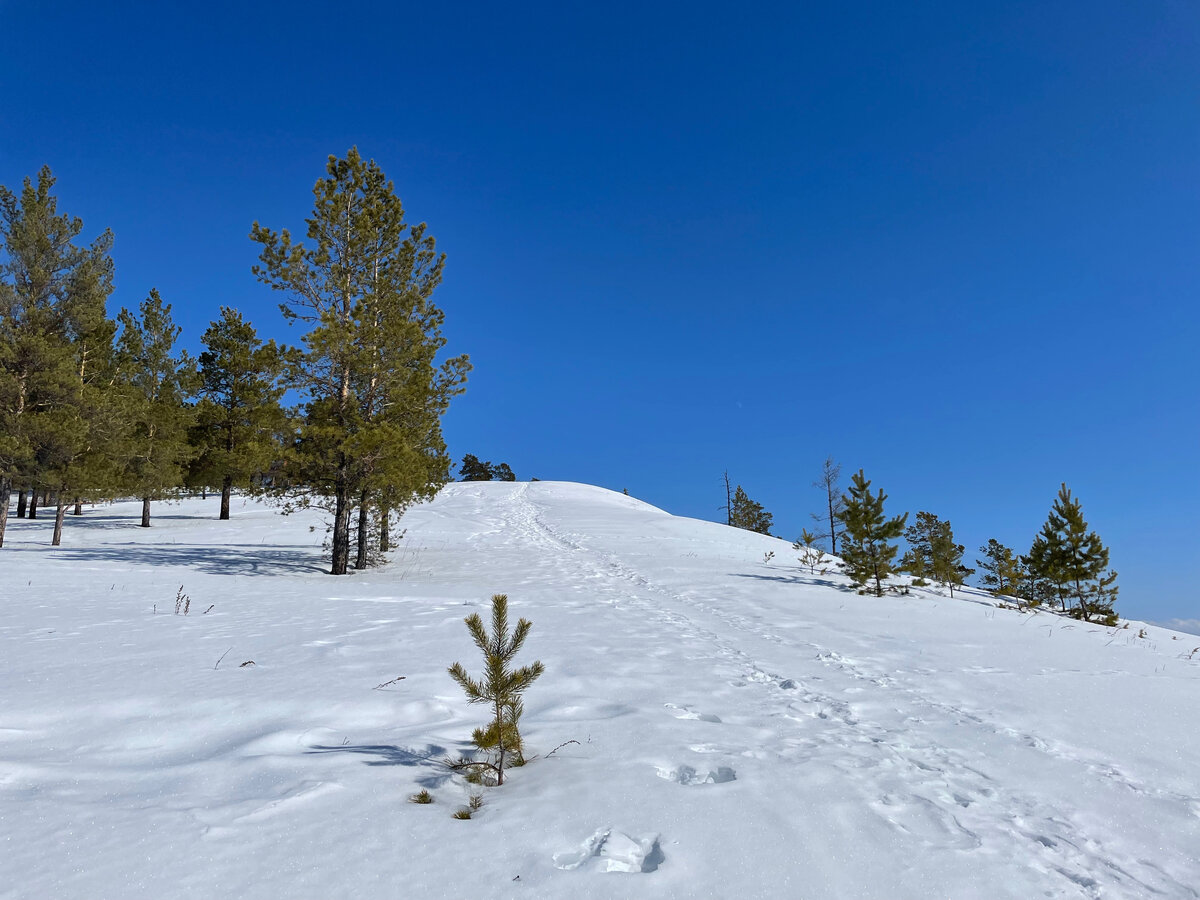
column 500, row 687
column 422, row 796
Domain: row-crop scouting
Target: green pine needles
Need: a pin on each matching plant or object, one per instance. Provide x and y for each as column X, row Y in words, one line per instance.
column 501, row 688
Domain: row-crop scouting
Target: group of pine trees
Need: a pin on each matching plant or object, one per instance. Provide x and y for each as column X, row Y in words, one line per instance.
column 1067, row 563
column 94, row 407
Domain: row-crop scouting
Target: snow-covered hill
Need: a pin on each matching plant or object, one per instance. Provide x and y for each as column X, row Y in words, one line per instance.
column 744, row 729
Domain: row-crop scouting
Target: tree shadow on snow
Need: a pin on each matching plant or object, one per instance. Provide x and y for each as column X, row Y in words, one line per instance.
column 797, row 579
column 388, row 754
column 225, row 559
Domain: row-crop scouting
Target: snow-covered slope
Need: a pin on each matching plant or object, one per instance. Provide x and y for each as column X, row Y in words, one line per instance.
column 737, row 729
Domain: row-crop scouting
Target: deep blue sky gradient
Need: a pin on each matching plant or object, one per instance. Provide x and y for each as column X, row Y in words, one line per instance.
column 955, row 246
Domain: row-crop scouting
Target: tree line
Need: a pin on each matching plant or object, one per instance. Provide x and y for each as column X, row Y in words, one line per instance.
column 1066, row 565
column 94, row 407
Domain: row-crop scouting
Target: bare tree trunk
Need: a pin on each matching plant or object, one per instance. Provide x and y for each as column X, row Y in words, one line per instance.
column 145, row 512
column 5, row 499
column 360, row 559
column 385, row 538
column 78, row 507
column 341, row 528
column 33, row 500
column 22, row 503
column 59, row 509
column 728, row 501
column 226, row 490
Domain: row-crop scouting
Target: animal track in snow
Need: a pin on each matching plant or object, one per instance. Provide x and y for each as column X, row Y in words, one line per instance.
column 608, row 850
column 686, row 712
column 689, row 776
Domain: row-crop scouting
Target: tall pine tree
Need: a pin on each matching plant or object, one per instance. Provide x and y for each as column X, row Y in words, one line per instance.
column 157, row 381
column 56, row 413
column 866, row 533
column 367, row 371
column 239, row 414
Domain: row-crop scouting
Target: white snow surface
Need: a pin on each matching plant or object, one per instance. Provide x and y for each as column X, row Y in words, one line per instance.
column 731, row 728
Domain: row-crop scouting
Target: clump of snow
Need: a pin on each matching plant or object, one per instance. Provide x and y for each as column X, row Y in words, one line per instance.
column 725, row 726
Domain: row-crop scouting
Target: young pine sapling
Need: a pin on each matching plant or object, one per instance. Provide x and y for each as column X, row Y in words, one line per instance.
column 500, row 687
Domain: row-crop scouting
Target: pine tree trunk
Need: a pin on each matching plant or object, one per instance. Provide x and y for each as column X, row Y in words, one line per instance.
column 22, row 504
column 145, row 512
column 5, row 499
column 341, row 528
column 33, row 500
column 1087, row 615
column 385, row 538
column 59, row 509
column 78, row 507
column 360, row 559
column 226, row 490
column 832, row 521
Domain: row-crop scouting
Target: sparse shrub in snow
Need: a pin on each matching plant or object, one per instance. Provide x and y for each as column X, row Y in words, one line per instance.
column 810, row 555
column 501, row 688
column 422, row 797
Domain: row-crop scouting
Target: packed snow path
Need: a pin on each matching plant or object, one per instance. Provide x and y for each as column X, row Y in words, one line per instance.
column 744, row 728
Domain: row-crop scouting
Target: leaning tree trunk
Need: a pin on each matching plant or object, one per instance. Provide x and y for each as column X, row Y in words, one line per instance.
column 145, row 512
column 33, row 499
column 78, row 507
column 59, row 509
column 360, row 558
column 341, row 528
column 226, row 491
column 5, row 498
column 22, row 504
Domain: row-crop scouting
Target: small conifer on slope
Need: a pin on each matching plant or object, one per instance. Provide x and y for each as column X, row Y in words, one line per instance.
column 1079, row 560
column 1001, row 568
column 866, row 553
column 500, row 687
column 748, row 514
column 933, row 552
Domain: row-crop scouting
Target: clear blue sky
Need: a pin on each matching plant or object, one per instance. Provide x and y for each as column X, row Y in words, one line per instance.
column 955, row 246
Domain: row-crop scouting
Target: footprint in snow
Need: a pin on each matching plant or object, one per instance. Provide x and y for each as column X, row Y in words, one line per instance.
column 689, row 776
column 685, row 712
column 609, row 850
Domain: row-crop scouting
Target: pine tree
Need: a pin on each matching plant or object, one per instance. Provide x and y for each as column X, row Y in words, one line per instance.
column 366, row 370
column 55, row 343
column 502, row 472
column 747, row 514
column 1001, row 567
column 157, row 380
column 500, row 687
column 831, row 474
column 1080, row 560
column 474, row 469
column 866, row 553
column 239, row 415
column 933, row 553
column 1043, row 581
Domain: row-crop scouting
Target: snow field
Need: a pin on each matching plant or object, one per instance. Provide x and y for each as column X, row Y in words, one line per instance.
column 743, row 729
